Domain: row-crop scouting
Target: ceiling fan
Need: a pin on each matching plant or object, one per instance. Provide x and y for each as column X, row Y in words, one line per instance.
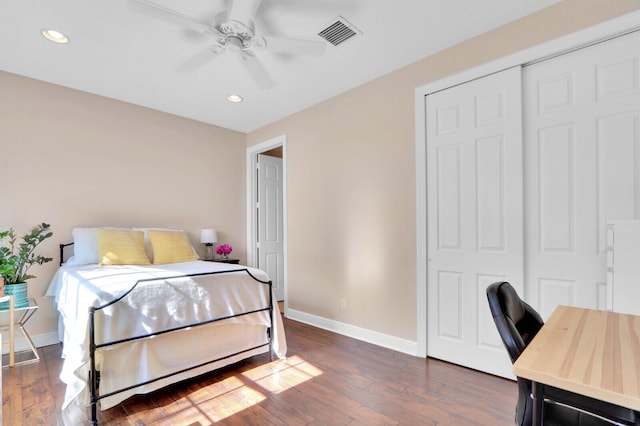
column 234, row 30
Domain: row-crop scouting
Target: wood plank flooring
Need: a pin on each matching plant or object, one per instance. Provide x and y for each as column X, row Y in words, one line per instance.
column 327, row 379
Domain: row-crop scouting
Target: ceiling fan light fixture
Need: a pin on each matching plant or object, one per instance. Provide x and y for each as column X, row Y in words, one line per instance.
column 234, row 98
column 55, row 36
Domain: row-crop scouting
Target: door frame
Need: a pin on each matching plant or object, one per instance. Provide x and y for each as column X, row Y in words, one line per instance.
column 600, row 32
column 252, row 192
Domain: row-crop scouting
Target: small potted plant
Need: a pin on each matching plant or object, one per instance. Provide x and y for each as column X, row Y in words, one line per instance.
column 224, row 250
column 17, row 258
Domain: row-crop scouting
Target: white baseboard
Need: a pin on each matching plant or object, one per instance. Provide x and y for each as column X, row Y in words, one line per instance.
column 369, row 336
column 39, row 341
column 47, row 339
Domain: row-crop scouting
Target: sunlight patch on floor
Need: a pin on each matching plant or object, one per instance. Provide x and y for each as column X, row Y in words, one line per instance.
column 222, row 399
column 279, row 376
column 231, row 403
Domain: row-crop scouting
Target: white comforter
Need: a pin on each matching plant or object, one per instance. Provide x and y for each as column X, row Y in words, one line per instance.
column 153, row 306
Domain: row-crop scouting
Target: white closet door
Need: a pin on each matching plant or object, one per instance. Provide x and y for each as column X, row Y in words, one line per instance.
column 475, row 230
column 581, row 161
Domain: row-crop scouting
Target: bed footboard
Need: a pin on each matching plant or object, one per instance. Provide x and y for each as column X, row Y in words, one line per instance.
column 94, row 346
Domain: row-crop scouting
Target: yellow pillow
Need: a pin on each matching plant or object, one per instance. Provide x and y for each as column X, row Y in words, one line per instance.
column 121, row 247
column 171, row 247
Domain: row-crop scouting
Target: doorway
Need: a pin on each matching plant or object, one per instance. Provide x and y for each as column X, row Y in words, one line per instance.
column 266, row 212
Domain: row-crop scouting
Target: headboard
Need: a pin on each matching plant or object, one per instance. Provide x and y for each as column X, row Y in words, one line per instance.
column 62, row 250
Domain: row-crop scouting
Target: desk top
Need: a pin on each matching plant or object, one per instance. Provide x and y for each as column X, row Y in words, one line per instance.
column 593, row 353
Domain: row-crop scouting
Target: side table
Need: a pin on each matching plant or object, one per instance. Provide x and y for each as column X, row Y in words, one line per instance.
column 23, row 315
column 227, row 260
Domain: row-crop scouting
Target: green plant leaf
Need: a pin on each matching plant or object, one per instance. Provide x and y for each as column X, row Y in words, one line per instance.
column 16, row 260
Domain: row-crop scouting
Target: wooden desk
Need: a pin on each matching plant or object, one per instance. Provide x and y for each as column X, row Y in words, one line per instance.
column 587, row 352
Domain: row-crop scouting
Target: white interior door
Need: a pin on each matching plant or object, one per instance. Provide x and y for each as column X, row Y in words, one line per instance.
column 270, row 244
column 475, row 218
column 582, row 150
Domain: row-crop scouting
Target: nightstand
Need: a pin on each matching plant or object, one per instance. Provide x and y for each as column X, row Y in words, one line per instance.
column 229, row 260
column 23, row 315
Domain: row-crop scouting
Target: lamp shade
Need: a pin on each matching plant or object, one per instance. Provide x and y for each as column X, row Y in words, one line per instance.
column 208, row 236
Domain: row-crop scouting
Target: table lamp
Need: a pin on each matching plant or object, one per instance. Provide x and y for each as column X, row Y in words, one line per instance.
column 208, row 237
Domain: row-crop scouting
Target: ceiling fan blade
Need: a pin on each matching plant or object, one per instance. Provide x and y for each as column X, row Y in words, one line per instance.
column 255, row 69
column 297, row 46
column 243, row 10
column 199, row 60
column 155, row 10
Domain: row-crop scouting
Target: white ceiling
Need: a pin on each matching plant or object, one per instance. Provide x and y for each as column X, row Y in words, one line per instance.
column 120, row 54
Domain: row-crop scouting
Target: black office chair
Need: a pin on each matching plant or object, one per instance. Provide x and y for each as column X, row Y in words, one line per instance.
column 517, row 324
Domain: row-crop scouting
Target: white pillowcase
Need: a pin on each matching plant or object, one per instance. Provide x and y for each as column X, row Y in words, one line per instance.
column 85, row 247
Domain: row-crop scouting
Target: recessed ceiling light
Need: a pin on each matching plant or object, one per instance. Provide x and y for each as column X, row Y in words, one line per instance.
column 234, row 98
column 55, row 36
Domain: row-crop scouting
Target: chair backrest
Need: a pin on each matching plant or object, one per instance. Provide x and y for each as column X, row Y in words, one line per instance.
column 517, row 322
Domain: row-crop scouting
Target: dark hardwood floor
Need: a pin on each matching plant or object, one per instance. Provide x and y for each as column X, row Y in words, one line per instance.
column 327, row 379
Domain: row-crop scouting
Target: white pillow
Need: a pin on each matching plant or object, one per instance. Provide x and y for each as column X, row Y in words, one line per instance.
column 85, row 247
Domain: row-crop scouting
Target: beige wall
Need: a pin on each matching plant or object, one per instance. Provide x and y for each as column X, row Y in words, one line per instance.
column 351, row 178
column 71, row 159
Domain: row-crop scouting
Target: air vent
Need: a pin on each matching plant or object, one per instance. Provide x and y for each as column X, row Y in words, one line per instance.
column 338, row 31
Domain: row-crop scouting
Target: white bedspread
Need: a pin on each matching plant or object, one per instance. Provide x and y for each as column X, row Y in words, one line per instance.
column 153, row 306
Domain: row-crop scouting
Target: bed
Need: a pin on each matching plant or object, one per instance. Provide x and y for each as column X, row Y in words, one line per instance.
column 133, row 328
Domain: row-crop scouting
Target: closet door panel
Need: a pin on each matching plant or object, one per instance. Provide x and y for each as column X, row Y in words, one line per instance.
column 556, row 177
column 581, row 168
column 619, row 150
column 474, row 191
column 449, row 227
column 490, row 194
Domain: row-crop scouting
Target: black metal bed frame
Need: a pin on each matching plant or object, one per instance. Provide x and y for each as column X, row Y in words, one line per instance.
column 94, row 374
